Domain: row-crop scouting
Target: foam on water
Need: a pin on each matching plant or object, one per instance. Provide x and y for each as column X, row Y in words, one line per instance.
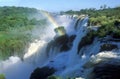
column 15, row 68
column 67, row 64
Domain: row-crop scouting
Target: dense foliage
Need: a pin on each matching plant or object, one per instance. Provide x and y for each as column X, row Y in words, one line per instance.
column 16, row 24
column 106, row 18
column 2, row 76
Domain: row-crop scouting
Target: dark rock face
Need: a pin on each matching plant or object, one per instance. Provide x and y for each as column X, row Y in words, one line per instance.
column 86, row 40
column 107, row 71
column 42, row 73
column 116, row 35
column 61, row 39
column 71, row 38
column 63, row 43
column 108, row 47
column 76, row 24
column 68, row 44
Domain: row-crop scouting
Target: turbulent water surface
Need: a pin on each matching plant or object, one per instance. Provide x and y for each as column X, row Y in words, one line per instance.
column 70, row 63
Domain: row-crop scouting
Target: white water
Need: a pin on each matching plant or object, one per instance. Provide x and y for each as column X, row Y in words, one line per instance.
column 68, row 64
column 15, row 68
column 67, row 21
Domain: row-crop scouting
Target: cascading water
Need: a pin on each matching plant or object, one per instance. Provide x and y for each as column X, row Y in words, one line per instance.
column 66, row 68
column 61, row 52
column 74, row 63
column 15, row 68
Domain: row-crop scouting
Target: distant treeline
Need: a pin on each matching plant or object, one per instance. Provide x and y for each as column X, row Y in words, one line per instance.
column 93, row 12
column 106, row 19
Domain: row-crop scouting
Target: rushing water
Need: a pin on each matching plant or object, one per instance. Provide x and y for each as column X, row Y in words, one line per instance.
column 68, row 64
column 15, row 68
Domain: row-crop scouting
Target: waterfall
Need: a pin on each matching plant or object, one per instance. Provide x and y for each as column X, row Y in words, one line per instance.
column 60, row 52
column 74, row 59
column 66, row 62
column 15, row 68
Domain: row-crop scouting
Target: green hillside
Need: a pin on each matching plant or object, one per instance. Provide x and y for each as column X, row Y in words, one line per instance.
column 16, row 24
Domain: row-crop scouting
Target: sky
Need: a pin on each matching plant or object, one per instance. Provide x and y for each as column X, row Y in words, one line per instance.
column 60, row 5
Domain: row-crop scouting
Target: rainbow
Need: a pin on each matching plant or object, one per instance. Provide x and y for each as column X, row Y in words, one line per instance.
column 51, row 20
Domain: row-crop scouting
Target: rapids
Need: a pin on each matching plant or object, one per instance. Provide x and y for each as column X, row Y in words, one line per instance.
column 15, row 68
column 67, row 63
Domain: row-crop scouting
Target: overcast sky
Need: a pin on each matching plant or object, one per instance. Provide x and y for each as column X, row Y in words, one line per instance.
column 60, row 5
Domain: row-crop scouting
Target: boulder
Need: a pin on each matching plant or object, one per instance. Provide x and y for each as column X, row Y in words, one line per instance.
column 107, row 70
column 63, row 43
column 61, row 39
column 42, row 73
column 68, row 44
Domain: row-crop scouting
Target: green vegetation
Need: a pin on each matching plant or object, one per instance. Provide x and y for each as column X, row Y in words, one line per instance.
column 106, row 18
column 56, row 77
column 2, row 76
column 16, row 24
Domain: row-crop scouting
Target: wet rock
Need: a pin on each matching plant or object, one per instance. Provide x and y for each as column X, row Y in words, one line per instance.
column 107, row 70
column 108, row 47
column 63, row 43
column 61, row 39
column 42, row 73
column 58, row 42
column 86, row 40
column 76, row 24
column 64, row 47
column 69, row 43
column 71, row 38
